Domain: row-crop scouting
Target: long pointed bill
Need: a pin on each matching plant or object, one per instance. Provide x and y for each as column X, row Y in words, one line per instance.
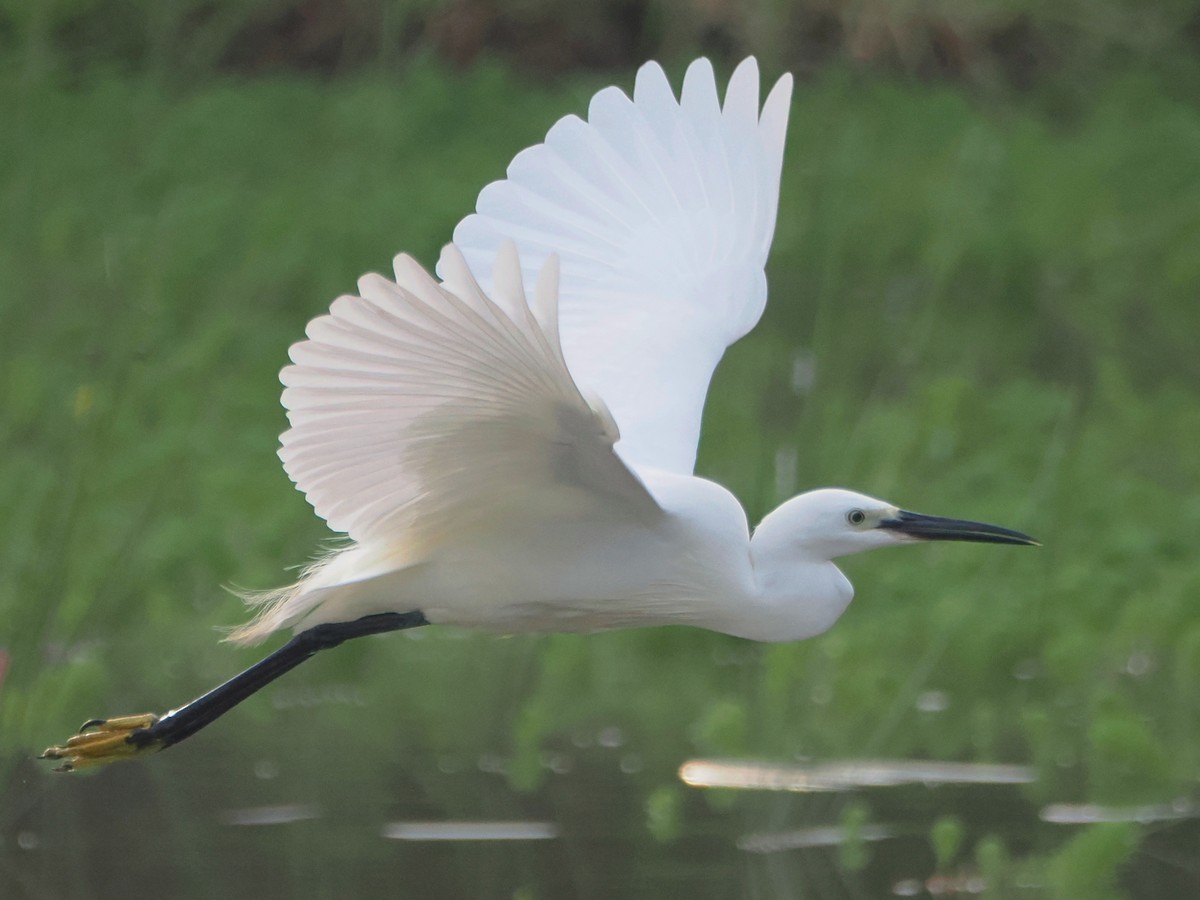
column 935, row 528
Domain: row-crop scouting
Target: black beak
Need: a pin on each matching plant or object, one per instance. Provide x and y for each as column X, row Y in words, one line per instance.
column 935, row 528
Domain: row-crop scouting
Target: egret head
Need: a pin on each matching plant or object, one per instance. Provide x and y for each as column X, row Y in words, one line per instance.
column 833, row 522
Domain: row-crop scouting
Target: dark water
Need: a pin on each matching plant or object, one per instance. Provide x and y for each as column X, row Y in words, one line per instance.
column 206, row 821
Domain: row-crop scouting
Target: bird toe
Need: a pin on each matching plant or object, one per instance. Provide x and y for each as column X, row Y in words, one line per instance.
column 102, row 741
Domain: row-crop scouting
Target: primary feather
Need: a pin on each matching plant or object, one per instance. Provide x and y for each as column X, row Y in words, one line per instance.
column 661, row 212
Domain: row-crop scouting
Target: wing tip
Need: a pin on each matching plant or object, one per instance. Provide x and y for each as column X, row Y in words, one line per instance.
column 650, row 76
column 508, row 286
column 779, row 98
column 455, row 273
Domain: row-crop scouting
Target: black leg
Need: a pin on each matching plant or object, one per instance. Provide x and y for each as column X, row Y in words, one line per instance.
column 187, row 720
column 104, row 740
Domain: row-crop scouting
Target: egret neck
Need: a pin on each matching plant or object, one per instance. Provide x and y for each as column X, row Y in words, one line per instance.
column 799, row 591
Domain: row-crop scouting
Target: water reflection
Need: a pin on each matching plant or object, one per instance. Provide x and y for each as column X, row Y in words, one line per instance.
column 941, row 886
column 271, row 815
column 841, row 776
column 808, row 838
column 470, row 831
column 1091, row 813
column 868, row 829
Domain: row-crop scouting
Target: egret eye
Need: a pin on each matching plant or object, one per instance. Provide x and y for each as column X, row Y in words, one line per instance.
column 856, row 517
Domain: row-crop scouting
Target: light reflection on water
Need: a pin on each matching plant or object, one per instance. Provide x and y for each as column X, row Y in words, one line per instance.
column 1091, row 813
column 470, row 831
column 842, row 776
column 271, row 815
column 806, row 838
column 943, row 886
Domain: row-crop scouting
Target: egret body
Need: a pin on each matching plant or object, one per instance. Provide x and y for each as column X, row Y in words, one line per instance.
column 510, row 446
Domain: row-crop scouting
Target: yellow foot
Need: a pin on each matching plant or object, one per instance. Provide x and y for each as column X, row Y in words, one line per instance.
column 102, row 741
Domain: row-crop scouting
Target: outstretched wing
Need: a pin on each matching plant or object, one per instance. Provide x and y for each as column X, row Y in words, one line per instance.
column 418, row 409
column 662, row 213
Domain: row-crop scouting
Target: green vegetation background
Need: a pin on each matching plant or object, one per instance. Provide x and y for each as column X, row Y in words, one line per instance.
column 983, row 303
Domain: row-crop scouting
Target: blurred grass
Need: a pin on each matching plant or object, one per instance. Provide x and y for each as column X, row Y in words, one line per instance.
column 975, row 310
column 1015, row 43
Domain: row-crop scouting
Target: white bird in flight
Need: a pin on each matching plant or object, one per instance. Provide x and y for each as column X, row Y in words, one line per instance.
column 512, row 448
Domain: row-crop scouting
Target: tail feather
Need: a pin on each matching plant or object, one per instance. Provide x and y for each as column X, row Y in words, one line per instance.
column 333, row 588
column 282, row 607
column 274, row 610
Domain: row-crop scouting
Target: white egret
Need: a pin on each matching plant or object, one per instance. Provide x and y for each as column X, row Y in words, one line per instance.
column 512, row 448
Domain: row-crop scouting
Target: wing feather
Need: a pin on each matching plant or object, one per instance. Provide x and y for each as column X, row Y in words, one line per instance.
column 417, row 408
column 661, row 212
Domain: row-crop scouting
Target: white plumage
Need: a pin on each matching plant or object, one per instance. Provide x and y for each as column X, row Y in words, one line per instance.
column 661, row 212
column 512, row 448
